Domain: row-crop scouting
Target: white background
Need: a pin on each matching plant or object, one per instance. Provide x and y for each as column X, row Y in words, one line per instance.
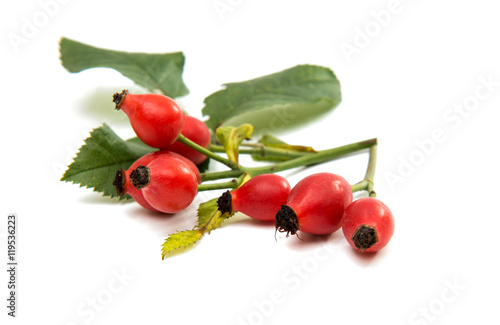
column 400, row 85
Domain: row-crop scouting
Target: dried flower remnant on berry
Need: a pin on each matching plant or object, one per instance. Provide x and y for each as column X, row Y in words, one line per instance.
column 287, row 221
column 365, row 237
column 140, row 177
column 224, row 203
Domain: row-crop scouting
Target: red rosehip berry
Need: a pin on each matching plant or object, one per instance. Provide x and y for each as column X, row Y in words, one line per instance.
column 368, row 224
column 167, row 183
column 123, row 186
column 196, row 131
column 260, row 198
column 315, row 205
column 156, row 119
column 122, row 178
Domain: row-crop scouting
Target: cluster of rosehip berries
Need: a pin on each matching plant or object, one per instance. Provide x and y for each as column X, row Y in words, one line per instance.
column 167, row 181
column 319, row 204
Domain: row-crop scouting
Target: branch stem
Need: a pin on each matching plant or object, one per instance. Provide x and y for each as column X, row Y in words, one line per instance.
column 314, row 158
column 264, row 151
column 234, row 183
column 306, row 159
column 229, row 163
column 367, row 183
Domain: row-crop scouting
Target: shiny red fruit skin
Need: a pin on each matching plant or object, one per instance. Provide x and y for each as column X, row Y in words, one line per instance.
column 145, row 160
column 370, row 212
column 156, row 119
column 196, row 131
column 319, row 201
column 172, row 186
column 167, row 153
column 261, row 197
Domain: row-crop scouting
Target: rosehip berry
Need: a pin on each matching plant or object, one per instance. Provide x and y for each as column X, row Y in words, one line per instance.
column 196, row 131
column 260, row 198
column 122, row 179
column 156, row 119
column 368, row 224
column 167, row 183
column 315, row 205
column 123, row 186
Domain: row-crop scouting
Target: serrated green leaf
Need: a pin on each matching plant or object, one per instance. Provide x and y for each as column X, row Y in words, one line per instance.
column 100, row 157
column 275, row 102
column 216, row 221
column 231, row 137
column 136, row 144
column 162, row 71
column 180, row 240
column 209, row 216
column 206, row 210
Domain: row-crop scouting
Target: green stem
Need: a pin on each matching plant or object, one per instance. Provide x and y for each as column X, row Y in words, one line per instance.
column 234, row 183
column 229, row 163
column 370, row 171
column 219, row 175
column 360, row 186
column 217, row 186
column 263, row 151
column 311, row 159
column 304, row 160
column 367, row 183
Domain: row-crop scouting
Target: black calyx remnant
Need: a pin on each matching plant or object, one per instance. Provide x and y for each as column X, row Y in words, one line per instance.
column 287, row 221
column 224, row 203
column 119, row 182
column 365, row 237
column 119, row 97
column 140, row 177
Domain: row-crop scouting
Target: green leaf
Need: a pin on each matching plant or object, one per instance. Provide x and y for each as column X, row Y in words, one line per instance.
column 231, row 137
column 161, row 71
column 275, row 102
column 136, row 144
column 205, row 211
column 209, row 218
column 180, row 240
column 100, row 157
column 271, row 141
